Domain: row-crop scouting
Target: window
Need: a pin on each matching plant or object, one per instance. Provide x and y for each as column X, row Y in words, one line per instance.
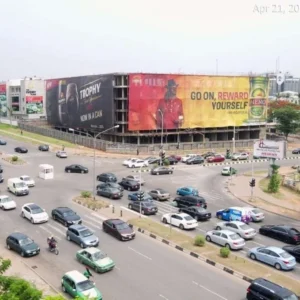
column 15, row 103
column 224, row 236
column 280, row 229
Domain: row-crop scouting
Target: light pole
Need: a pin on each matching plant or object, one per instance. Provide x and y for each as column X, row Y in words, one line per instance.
column 162, row 128
column 233, row 141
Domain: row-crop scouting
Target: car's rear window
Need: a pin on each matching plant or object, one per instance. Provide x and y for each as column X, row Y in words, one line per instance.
column 245, row 227
column 188, row 218
column 234, row 236
column 285, row 255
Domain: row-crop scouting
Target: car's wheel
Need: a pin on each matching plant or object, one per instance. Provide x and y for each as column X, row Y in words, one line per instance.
column 68, row 238
column 32, row 221
column 252, row 256
column 22, row 214
column 218, row 228
column 69, row 171
column 181, row 226
column 82, row 245
column 22, row 254
column 8, row 247
column 208, row 238
column 165, row 221
column 219, row 217
column 63, row 288
column 227, row 246
column 130, row 206
column 277, row 266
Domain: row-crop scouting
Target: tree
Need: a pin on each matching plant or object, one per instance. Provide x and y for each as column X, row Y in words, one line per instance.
column 274, row 183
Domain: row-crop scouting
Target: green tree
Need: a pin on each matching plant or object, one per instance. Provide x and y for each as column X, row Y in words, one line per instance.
column 274, row 183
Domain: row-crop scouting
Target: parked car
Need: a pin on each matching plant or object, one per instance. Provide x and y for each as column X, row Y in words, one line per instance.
column 1, row 169
column 119, row 229
column 189, row 200
column 109, row 192
column 110, row 185
column 159, row 194
column 3, row 142
column 177, row 157
column 216, row 158
column 185, row 158
column 44, row 148
column 1, row 178
column 187, row 190
column 66, row 216
column 145, row 207
column 153, row 161
column 256, row 214
column 139, row 163
column 242, row 229
column 7, row 203
column 198, row 213
column 226, row 238
column 21, row 150
column 134, row 196
column 22, row 244
column 136, row 178
column 273, row 256
column 296, row 151
column 227, row 171
column 293, row 250
column 172, row 161
column 34, row 213
column 181, row 220
column 196, row 160
column 208, row 154
column 240, row 156
column 61, row 154
column 28, row 180
column 127, row 161
column 284, row 233
column 82, row 236
column 95, row 259
column 76, row 169
column 107, row 177
column 161, row 171
column 130, row 185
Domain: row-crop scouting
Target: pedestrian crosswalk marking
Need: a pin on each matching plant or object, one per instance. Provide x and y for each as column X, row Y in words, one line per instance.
column 50, row 232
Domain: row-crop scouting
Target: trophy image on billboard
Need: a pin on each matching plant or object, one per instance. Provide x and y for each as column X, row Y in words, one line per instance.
column 72, row 103
column 62, row 103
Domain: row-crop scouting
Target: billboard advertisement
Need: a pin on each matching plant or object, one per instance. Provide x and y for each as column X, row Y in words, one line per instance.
column 269, row 149
column 3, row 100
column 80, row 102
column 187, row 101
column 34, row 96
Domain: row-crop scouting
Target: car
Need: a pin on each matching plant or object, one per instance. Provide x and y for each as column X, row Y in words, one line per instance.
column 234, row 214
column 226, row 238
column 1, row 169
column 95, row 259
column 107, row 177
column 242, row 229
column 22, row 244
column 154, row 161
column 3, row 142
column 150, row 158
column 181, row 220
column 136, row 178
column 44, row 148
column 161, row 171
column 139, row 163
column 215, row 158
column 145, row 207
column 240, row 156
column 227, row 171
column 196, row 160
column 177, row 157
column 159, row 194
column 189, row 200
column 256, row 214
column 259, row 157
column 198, row 213
column 111, row 185
column 61, row 154
column 1, row 178
column 109, row 192
column 66, row 216
column 187, row 190
column 82, row 236
column 34, row 213
column 127, row 161
column 185, row 158
column 172, row 161
column 76, row 169
column 28, row 180
column 296, row 151
column 208, row 154
column 78, row 286
column 130, row 185
column 21, row 150
column 134, row 196
column 284, row 233
column 293, row 250
column 273, row 256
column 119, row 229
column 7, row 203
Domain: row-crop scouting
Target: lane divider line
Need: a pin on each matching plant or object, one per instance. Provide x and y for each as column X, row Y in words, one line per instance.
column 139, row 253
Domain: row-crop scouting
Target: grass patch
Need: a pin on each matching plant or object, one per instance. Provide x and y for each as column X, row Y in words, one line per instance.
column 263, row 184
column 237, row 263
column 90, row 203
column 14, row 160
column 261, row 172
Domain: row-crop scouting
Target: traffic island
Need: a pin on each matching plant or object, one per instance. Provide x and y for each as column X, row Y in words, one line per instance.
column 86, row 199
column 14, row 160
column 234, row 264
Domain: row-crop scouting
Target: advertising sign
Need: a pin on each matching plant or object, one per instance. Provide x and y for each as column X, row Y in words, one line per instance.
column 187, row 101
column 269, row 149
column 80, row 102
column 34, row 96
column 3, row 100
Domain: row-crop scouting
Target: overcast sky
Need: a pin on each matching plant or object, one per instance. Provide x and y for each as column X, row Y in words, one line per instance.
column 60, row 38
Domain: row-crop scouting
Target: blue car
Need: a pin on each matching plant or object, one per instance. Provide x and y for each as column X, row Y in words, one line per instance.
column 134, row 197
column 234, row 214
column 187, row 191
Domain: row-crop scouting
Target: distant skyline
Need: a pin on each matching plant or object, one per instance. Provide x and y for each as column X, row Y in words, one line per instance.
column 80, row 37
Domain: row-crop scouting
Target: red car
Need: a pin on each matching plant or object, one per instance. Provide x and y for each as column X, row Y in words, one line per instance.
column 177, row 157
column 216, row 158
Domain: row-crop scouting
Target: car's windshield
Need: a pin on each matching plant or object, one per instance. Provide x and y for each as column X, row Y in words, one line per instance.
column 148, row 204
column 86, row 233
column 245, row 227
column 114, row 185
column 26, row 178
column 294, row 231
column 256, row 211
column 68, row 213
column 25, row 242
column 36, row 210
column 234, row 237
column 122, row 226
column 201, row 209
column 20, row 184
column 188, row 218
column 162, row 191
column 84, row 286
column 291, row 297
column 285, row 255
column 5, row 200
column 98, row 255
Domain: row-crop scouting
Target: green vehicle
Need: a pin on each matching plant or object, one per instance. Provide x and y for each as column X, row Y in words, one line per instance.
column 227, row 171
column 77, row 285
column 95, row 259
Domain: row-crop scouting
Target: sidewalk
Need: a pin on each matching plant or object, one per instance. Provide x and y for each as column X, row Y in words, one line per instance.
column 126, row 213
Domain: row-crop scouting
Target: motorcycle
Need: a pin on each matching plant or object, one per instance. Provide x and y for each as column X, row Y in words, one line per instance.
column 53, row 248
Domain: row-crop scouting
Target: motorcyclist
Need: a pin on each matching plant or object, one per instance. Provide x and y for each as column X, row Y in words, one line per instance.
column 87, row 273
column 51, row 242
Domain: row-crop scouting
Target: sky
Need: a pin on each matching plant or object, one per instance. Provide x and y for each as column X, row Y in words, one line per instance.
column 64, row 38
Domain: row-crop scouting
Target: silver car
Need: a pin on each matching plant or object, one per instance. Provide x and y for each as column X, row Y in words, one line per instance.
column 256, row 214
column 242, row 229
column 240, row 156
column 136, row 178
column 61, row 154
column 159, row 194
column 82, row 236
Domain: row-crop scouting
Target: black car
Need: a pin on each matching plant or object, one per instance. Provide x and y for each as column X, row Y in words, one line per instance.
column 119, row 229
column 145, row 207
column 130, row 185
column 111, row 185
column 22, row 244
column 1, row 169
column 2, row 143
column 21, row 150
column 76, row 169
column 197, row 212
column 44, row 148
column 107, row 177
column 196, row 160
column 153, row 161
column 66, row 216
column 296, row 151
column 172, row 160
column 187, row 201
column 293, row 250
column 109, row 192
column 284, row 233
column 208, row 154
column 161, row 171
column 1, row 179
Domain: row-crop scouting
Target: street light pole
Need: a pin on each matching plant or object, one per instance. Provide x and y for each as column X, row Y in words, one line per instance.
column 162, row 128
column 233, row 140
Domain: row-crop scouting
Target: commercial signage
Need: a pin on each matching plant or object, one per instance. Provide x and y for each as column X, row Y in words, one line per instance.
column 80, row 102
column 187, row 101
column 269, row 149
column 3, row 100
column 34, row 96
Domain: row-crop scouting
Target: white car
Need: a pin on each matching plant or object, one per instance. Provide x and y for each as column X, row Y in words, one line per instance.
column 127, row 161
column 226, row 238
column 242, row 229
column 240, row 156
column 181, row 220
column 34, row 213
column 61, row 154
column 136, row 178
column 139, row 163
column 185, row 158
column 7, row 203
column 28, row 180
column 228, row 171
column 256, row 214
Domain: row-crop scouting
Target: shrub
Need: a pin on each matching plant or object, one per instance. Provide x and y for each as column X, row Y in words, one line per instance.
column 224, row 252
column 166, row 162
column 199, row 241
column 86, row 194
column 15, row 158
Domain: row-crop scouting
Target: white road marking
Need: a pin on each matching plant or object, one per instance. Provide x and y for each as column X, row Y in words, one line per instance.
column 134, row 212
column 42, row 227
column 117, row 268
column 99, row 217
column 201, row 230
column 162, row 296
column 139, row 253
column 94, row 220
column 210, row 291
column 243, row 252
column 56, row 229
column 91, row 224
column 257, row 243
column 246, row 248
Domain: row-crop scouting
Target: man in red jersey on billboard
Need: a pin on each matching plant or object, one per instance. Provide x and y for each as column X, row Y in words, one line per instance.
column 169, row 114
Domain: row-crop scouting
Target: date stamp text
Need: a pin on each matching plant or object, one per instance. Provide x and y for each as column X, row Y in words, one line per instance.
column 277, row 9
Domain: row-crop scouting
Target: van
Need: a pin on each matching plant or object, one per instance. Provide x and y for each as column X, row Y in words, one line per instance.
column 17, row 186
column 234, row 214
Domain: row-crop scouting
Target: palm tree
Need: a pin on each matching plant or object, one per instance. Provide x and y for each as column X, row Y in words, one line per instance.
column 10, row 114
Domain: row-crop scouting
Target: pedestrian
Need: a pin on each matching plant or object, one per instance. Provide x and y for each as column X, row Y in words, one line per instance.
column 137, row 152
column 87, row 273
column 21, row 132
column 63, row 148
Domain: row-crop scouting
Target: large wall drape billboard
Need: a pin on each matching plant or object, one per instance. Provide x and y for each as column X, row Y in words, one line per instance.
column 187, row 101
column 34, row 96
column 80, row 102
column 3, row 100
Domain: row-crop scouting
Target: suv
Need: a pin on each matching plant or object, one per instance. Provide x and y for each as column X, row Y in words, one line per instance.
column 107, row 177
column 262, row 289
column 82, row 236
column 187, row 201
